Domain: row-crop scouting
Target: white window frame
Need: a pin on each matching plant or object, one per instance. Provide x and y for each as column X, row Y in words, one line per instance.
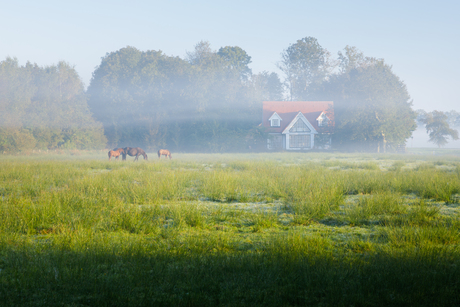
column 275, row 122
column 296, row 136
column 275, row 119
column 322, row 120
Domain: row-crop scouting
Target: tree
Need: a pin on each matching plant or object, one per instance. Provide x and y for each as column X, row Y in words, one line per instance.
column 134, row 93
column 421, row 116
column 236, row 59
column 42, row 107
column 306, row 65
column 352, row 58
column 371, row 104
column 453, row 118
column 268, row 86
column 438, row 128
column 205, row 102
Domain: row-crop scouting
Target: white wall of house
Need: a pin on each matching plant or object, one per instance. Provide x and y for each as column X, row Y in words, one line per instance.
column 298, row 135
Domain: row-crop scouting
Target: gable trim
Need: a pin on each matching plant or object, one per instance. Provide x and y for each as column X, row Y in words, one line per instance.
column 275, row 116
column 275, row 120
column 321, row 118
column 301, row 117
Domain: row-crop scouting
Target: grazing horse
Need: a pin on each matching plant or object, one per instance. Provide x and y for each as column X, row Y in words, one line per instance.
column 134, row 152
column 164, row 152
column 115, row 153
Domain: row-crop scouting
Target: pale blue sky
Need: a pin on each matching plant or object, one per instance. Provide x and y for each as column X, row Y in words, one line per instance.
column 420, row 39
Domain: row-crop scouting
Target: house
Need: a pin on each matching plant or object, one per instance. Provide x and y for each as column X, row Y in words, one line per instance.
column 298, row 125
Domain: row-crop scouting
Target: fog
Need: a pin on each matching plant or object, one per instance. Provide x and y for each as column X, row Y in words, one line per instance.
column 208, row 101
column 420, row 139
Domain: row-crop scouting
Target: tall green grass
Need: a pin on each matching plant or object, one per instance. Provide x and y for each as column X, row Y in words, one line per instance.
column 374, row 207
column 234, row 230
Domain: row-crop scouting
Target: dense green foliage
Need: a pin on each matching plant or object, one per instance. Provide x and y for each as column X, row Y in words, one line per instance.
column 208, row 102
column 373, row 110
column 233, row 230
column 306, row 65
column 371, row 104
column 44, row 108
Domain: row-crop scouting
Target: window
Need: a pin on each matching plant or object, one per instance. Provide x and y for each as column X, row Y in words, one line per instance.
column 299, row 141
column 275, row 122
column 323, row 120
column 275, row 142
column 299, row 126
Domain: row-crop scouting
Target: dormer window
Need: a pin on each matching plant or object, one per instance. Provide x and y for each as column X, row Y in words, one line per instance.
column 275, row 120
column 322, row 120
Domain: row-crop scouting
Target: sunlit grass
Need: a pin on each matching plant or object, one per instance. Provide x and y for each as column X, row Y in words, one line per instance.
column 250, row 229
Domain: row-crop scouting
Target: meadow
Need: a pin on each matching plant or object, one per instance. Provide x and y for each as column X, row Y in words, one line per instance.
column 267, row 229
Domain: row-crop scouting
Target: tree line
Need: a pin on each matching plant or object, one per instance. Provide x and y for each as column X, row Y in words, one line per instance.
column 208, row 101
column 45, row 108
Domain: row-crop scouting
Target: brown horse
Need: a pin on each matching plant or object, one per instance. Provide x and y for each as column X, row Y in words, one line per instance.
column 115, row 153
column 164, row 152
column 134, row 152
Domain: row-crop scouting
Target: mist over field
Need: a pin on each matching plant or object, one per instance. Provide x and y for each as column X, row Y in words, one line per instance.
column 420, row 139
column 208, row 101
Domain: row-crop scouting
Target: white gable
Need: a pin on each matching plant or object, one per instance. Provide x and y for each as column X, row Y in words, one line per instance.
column 299, row 126
column 275, row 120
column 322, row 119
column 303, row 127
column 275, row 115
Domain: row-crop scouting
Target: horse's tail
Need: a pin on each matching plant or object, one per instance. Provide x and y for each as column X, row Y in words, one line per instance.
column 159, row 154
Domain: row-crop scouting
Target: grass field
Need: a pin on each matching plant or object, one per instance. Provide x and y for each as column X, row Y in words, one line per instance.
column 278, row 229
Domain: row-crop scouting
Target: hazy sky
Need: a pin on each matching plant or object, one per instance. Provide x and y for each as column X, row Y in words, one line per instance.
column 420, row 39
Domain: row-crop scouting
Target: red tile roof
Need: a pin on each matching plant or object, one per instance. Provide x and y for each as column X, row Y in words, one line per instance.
column 287, row 110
